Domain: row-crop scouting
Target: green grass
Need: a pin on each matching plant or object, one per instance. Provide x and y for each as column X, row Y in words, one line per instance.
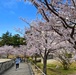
column 52, row 70
column 60, row 71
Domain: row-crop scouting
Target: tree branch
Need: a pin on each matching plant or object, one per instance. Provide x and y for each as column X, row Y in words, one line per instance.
column 74, row 3
column 72, row 32
column 55, row 12
column 44, row 15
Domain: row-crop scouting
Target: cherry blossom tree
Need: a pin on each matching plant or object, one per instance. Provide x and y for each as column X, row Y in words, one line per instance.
column 60, row 17
column 2, row 52
column 8, row 50
column 22, row 50
column 15, row 51
column 65, row 55
column 64, row 12
column 42, row 40
column 19, row 51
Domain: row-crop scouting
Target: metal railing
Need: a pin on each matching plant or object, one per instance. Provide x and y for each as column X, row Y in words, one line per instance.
column 42, row 73
column 32, row 72
column 30, row 68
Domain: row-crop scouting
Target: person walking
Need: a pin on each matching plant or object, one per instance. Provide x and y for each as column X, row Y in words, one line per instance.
column 17, row 61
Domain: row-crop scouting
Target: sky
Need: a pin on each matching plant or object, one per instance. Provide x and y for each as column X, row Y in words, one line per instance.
column 10, row 13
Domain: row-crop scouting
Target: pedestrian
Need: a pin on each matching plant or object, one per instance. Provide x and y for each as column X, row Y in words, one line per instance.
column 17, row 61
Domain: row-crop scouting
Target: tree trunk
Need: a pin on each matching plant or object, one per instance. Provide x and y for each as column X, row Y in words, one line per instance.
column 45, row 65
column 7, row 56
column 66, row 65
column 35, row 59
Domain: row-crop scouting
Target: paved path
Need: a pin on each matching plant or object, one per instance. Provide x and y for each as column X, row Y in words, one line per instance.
column 22, row 70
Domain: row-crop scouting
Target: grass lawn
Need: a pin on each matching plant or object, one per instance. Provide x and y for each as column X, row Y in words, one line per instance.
column 52, row 70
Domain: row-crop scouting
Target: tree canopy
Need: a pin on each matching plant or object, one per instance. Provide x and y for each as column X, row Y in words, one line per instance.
column 14, row 40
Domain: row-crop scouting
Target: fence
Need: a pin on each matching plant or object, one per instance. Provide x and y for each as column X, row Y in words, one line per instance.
column 32, row 73
column 42, row 73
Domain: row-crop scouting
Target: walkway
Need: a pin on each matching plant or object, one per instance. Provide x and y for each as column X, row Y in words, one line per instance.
column 22, row 70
